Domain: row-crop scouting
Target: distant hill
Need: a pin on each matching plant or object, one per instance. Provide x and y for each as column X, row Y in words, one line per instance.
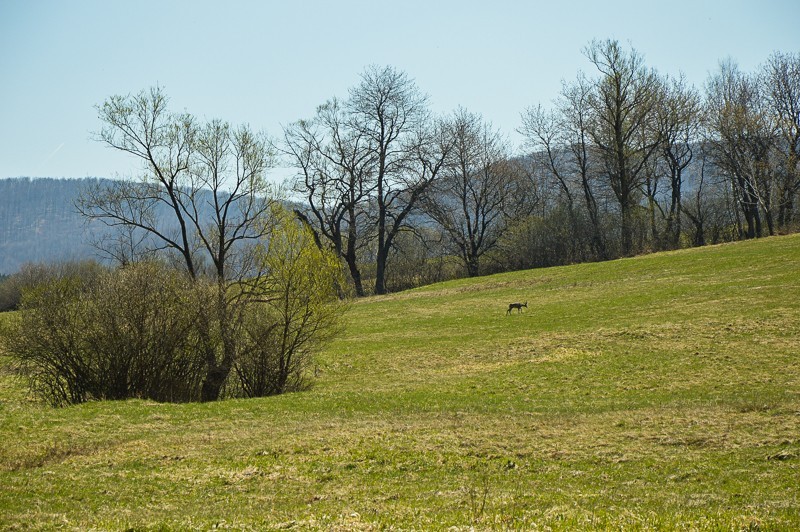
column 39, row 222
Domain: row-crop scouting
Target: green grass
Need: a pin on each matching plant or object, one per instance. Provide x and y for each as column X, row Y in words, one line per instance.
column 660, row 392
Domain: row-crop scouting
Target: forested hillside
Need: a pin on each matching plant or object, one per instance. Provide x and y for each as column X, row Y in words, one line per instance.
column 39, row 222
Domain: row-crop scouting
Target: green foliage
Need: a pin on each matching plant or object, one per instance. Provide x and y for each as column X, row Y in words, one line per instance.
column 300, row 311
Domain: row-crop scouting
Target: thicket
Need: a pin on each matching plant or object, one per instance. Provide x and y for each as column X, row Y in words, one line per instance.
column 144, row 330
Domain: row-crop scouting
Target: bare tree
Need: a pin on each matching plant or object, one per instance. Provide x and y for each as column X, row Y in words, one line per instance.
column 406, row 149
column 708, row 203
column 480, row 191
column 203, row 200
column 372, row 156
column 741, row 140
column 623, row 123
column 560, row 142
column 781, row 87
column 335, row 163
column 679, row 121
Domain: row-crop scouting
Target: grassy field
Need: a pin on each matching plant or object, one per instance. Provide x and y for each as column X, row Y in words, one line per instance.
column 660, row 392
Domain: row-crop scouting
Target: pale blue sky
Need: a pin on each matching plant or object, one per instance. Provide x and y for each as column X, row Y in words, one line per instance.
column 269, row 63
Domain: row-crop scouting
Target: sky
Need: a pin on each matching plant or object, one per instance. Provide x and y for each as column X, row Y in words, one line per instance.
column 269, row 63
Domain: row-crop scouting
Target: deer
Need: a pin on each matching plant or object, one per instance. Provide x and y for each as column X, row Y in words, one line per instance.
column 517, row 306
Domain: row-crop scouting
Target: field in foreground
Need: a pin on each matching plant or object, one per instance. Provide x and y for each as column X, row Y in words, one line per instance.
column 661, row 392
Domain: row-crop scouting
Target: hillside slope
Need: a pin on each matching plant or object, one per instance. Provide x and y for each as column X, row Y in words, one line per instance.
column 39, row 222
column 656, row 392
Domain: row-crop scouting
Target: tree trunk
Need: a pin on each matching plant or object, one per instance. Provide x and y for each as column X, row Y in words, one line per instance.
column 355, row 273
column 472, row 266
column 597, row 242
column 674, row 219
column 217, row 371
column 350, row 253
column 627, row 226
column 213, row 383
column 380, row 273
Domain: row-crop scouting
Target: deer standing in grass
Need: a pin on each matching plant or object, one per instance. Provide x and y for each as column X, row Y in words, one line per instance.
column 517, row 306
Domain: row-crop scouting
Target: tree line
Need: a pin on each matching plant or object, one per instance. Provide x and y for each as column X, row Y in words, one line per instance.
column 626, row 160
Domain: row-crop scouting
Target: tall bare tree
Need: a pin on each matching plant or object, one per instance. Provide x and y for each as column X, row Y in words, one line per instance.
column 781, row 88
column 375, row 153
column 203, row 200
column 679, row 120
column 480, row 190
column 560, row 141
column 335, row 164
column 741, row 138
column 623, row 123
column 407, row 151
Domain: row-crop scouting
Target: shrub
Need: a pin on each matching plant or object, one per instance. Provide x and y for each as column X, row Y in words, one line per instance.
column 300, row 310
column 147, row 330
column 112, row 335
column 31, row 274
